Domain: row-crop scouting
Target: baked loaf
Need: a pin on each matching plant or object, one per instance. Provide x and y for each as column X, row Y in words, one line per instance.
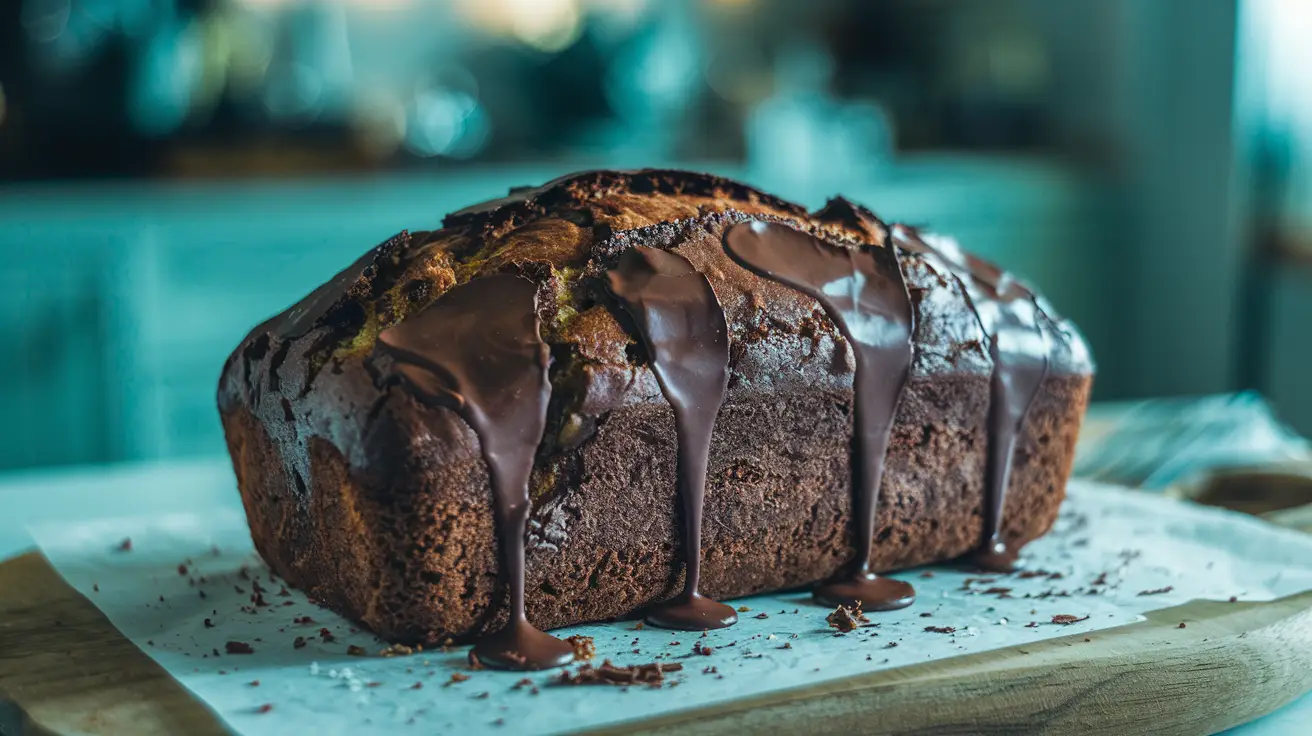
column 378, row 504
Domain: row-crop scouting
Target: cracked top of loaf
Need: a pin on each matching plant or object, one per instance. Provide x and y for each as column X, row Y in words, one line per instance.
column 564, row 235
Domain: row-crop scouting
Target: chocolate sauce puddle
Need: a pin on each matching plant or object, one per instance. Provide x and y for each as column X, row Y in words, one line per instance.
column 1009, row 315
column 684, row 329
column 477, row 350
column 864, row 293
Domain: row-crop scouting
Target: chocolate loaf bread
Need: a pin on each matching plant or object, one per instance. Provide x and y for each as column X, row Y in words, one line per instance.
column 364, row 462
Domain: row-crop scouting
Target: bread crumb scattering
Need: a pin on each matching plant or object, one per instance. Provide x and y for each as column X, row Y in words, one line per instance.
column 846, row 618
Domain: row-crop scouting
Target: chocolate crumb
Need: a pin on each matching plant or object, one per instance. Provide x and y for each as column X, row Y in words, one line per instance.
column 499, row 721
column 356, row 651
column 1087, row 639
column 925, row 574
column 254, row 683
column 762, row 615
column 455, row 678
column 209, row 624
column 525, row 682
column 303, row 620
column 786, row 645
column 96, row 588
column 420, row 685
column 846, row 619
column 264, row 708
column 298, row 642
column 584, row 647
column 1032, row 625
column 1181, row 626
column 202, row 594
column 702, row 649
column 941, row 629
column 375, row 683
column 125, row 545
column 327, row 635
column 238, row 647
column 926, row 614
column 533, row 691
column 652, row 675
column 182, row 570
column 482, row 696
column 1066, row 619
column 1157, row 591
column 890, row 645
column 1234, row 599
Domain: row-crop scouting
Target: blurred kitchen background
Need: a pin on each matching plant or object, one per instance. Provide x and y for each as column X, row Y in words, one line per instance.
column 174, row 171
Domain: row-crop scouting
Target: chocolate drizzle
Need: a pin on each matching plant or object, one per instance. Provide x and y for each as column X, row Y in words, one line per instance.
column 684, row 330
column 863, row 291
column 477, row 350
column 1009, row 315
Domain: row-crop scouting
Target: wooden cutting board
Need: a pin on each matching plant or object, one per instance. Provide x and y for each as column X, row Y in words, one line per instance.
column 65, row 670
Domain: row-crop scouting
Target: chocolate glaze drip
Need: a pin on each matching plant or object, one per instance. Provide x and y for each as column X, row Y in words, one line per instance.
column 1009, row 314
column 477, row 351
column 863, row 291
column 684, row 329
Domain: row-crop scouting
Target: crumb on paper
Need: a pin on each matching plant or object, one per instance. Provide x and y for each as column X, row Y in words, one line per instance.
column 455, row 678
column 846, row 618
column 941, row 629
column 651, row 675
column 399, row 650
column 238, row 647
column 584, row 647
column 1157, row 591
column 1066, row 619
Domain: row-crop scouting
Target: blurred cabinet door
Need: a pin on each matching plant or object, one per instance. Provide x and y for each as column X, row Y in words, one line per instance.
column 197, row 289
column 56, row 390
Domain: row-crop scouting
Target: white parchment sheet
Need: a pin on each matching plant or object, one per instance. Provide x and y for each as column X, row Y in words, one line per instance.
column 1138, row 552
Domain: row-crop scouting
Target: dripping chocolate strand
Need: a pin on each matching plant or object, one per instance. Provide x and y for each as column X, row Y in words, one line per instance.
column 683, row 327
column 863, row 291
column 477, row 350
column 1009, row 315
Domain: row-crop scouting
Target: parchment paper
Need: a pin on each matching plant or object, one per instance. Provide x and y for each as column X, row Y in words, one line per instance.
column 1137, row 552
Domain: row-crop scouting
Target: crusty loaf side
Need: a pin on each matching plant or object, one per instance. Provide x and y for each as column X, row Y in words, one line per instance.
column 379, row 505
